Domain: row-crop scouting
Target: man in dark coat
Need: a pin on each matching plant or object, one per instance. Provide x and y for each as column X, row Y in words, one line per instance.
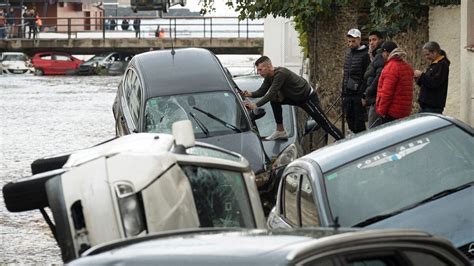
column 353, row 85
column 434, row 81
column 136, row 27
column 282, row 86
column 372, row 74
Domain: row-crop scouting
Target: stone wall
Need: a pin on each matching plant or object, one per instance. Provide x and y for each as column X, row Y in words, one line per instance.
column 444, row 29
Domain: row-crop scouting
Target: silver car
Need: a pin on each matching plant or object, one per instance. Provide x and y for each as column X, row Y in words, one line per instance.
column 139, row 184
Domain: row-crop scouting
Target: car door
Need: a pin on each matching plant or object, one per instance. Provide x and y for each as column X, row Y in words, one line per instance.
column 297, row 206
column 45, row 62
column 62, row 63
column 131, row 101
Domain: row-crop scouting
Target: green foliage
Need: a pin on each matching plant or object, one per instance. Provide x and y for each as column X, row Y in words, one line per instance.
column 390, row 16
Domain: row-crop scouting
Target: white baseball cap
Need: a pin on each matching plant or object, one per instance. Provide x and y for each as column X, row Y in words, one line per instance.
column 355, row 33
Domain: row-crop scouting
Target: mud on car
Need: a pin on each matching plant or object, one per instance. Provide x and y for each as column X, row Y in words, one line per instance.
column 136, row 185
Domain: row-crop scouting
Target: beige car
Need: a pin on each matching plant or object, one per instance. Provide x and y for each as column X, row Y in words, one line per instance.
column 139, row 184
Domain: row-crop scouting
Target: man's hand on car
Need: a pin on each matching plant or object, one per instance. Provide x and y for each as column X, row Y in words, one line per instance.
column 250, row 105
column 246, row 93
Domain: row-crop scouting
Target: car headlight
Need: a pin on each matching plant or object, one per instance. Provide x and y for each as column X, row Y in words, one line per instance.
column 95, row 64
column 287, row 156
column 131, row 209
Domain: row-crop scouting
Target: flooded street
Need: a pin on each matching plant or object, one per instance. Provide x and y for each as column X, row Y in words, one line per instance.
column 48, row 115
column 45, row 116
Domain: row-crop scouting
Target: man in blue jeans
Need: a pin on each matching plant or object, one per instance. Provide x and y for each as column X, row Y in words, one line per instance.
column 282, row 86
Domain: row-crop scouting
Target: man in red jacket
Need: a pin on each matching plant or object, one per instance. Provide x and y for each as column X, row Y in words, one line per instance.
column 395, row 88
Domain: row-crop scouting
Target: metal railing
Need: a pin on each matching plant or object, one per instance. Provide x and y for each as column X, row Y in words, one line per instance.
column 149, row 27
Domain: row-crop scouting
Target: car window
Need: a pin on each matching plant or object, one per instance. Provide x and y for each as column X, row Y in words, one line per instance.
column 423, row 258
column 400, row 175
column 309, row 211
column 290, row 185
column 161, row 112
column 220, row 196
column 46, row 57
column 60, row 57
column 135, row 97
column 14, row 57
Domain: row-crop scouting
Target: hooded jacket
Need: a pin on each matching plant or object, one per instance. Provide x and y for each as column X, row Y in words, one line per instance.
column 372, row 76
column 395, row 88
column 355, row 65
column 434, row 84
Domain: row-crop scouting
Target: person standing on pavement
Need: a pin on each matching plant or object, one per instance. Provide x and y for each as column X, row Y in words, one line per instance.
column 136, row 27
column 282, row 86
column 353, row 85
column 31, row 22
column 10, row 16
column 395, row 88
column 434, row 81
column 372, row 74
column 125, row 24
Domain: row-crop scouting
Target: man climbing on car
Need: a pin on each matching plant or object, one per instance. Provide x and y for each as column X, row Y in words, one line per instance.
column 282, row 86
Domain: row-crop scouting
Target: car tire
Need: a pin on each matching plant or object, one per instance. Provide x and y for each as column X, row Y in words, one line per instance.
column 26, row 194
column 55, row 195
column 39, row 72
column 48, row 164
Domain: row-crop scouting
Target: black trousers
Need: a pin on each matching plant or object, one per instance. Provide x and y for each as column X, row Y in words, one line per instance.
column 355, row 113
column 313, row 108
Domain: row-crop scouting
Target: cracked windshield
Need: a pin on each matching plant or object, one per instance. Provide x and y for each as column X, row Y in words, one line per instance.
column 212, row 113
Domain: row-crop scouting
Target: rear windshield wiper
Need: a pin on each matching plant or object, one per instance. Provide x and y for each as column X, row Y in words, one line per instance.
column 200, row 124
column 234, row 128
column 436, row 196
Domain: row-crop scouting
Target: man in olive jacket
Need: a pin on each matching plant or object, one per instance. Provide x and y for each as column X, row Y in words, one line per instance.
column 373, row 74
column 283, row 86
column 353, row 84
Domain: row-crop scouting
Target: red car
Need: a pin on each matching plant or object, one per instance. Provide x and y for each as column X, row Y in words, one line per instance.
column 55, row 63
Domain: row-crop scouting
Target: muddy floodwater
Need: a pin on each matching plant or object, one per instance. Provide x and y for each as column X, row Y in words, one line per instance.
column 45, row 116
column 48, row 115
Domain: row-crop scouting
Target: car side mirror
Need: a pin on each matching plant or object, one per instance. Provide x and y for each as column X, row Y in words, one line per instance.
column 310, row 126
column 257, row 113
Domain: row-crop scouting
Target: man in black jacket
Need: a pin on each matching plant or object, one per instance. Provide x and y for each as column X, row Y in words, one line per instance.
column 372, row 74
column 433, row 82
column 353, row 85
column 282, row 86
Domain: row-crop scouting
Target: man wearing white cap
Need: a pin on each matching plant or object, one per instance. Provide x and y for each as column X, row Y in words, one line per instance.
column 353, row 85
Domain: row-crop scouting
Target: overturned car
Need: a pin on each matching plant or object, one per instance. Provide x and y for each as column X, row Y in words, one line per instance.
column 139, row 184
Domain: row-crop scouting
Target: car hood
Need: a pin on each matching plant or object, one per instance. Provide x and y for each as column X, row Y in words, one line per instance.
column 247, row 144
column 14, row 63
column 450, row 217
column 273, row 148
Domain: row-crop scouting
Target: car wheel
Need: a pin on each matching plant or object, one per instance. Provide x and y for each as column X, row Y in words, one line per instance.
column 55, row 194
column 26, row 194
column 48, row 164
column 39, row 72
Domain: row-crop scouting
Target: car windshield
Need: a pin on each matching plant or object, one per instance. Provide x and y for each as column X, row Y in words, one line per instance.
column 98, row 57
column 14, row 57
column 161, row 112
column 220, row 196
column 399, row 176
